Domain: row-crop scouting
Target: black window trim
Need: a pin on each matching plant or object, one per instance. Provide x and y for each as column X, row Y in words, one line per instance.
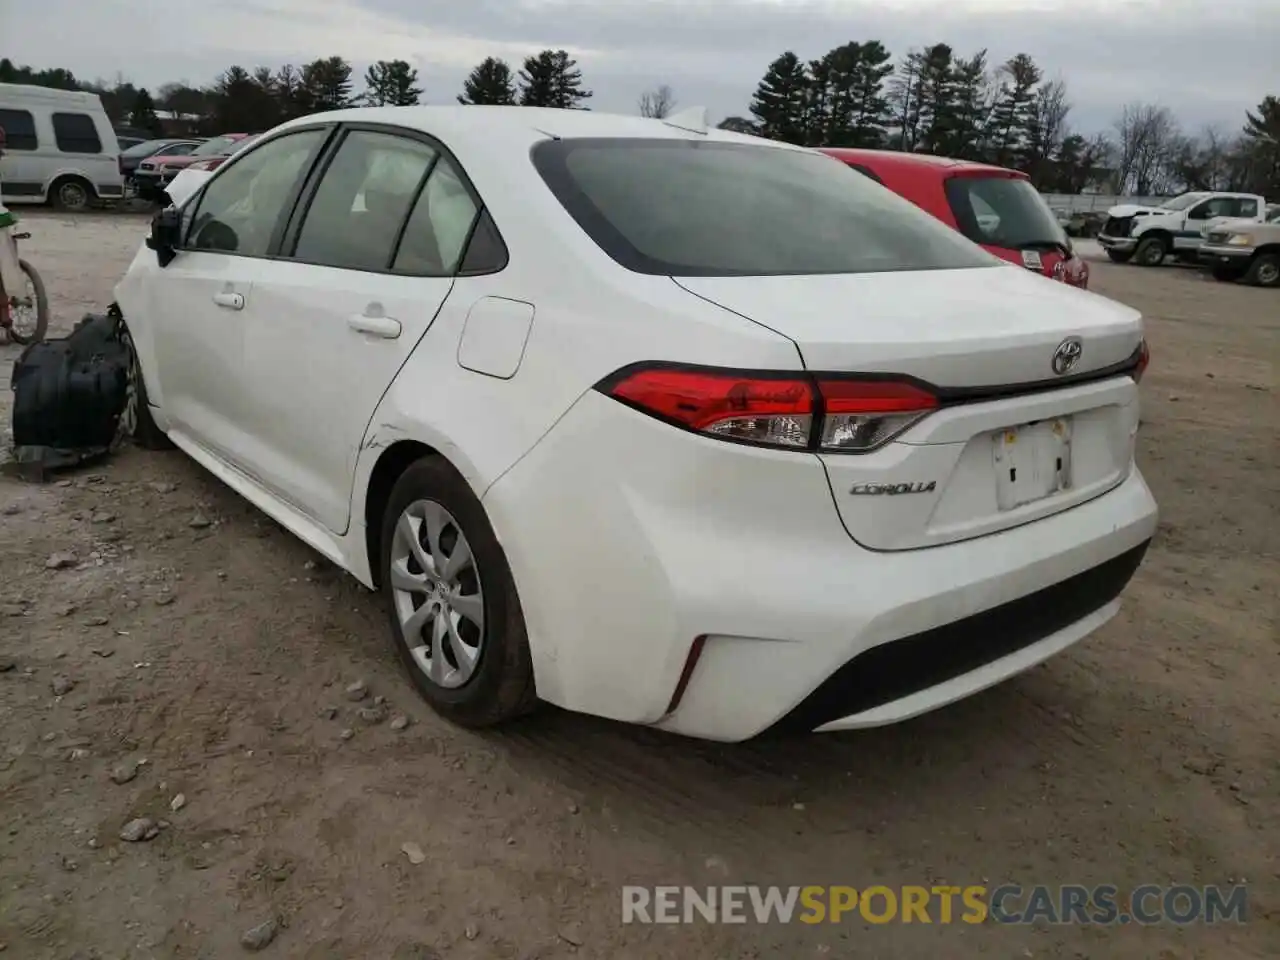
column 288, row 240
column 864, row 170
column 58, row 138
column 293, row 213
column 33, row 136
column 192, row 207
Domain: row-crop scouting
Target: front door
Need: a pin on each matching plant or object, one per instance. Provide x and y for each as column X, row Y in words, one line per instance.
column 332, row 321
column 200, row 300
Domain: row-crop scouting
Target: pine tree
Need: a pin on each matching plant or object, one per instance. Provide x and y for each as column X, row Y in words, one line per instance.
column 1260, row 142
column 972, row 98
column 391, row 83
column 328, row 84
column 936, row 97
column 869, row 120
column 490, row 82
column 143, row 114
column 781, row 100
column 552, row 79
column 1007, row 136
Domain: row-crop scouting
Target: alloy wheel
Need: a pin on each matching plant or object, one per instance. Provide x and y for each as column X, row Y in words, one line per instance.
column 439, row 599
column 24, row 311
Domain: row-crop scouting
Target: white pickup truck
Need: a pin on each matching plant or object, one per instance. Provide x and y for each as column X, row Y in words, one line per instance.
column 1147, row 235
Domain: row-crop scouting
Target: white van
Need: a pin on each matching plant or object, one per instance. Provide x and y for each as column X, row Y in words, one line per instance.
column 59, row 148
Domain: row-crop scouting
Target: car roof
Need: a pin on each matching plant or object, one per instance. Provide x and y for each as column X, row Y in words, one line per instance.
column 899, row 160
column 471, row 123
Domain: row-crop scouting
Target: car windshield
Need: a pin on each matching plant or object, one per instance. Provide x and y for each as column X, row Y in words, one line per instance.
column 1182, row 202
column 1004, row 212
column 145, row 149
column 707, row 209
column 215, row 147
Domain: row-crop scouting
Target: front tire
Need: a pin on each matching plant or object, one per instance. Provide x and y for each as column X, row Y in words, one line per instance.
column 1151, row 252
column 1120, row 256
column 137, row 422
column 451, row 600
column 1264, row 271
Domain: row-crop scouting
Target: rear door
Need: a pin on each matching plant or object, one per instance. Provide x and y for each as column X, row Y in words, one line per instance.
column 365, row 269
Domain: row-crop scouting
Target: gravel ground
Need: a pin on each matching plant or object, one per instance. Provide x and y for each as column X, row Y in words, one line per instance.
column 189, row 664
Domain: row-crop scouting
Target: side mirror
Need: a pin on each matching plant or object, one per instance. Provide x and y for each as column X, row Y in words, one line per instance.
column 166, row 233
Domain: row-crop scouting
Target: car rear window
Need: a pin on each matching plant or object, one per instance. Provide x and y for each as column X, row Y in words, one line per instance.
column 709, row 208
column 1004, row 212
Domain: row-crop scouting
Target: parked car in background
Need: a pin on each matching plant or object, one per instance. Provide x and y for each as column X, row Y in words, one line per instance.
column 60, row 148
column 1238, row 250
column 551, row 380
column 154, row 173
column 125, row 143
column 1147, row 235
column 1270, row 215
column 173, row 146
column 994, row 207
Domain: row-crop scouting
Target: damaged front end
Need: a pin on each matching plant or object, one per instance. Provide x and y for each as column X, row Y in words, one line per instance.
column 74, row 396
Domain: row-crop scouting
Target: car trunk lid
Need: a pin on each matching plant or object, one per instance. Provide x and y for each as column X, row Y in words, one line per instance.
column 1013, row 438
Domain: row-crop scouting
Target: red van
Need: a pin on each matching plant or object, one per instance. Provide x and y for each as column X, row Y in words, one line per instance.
column 992, row 206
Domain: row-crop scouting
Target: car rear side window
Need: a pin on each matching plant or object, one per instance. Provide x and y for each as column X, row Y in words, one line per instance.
column 439, row 225
column 709, row 208
column 19, row 130
column 75, row 133
column 360, row 207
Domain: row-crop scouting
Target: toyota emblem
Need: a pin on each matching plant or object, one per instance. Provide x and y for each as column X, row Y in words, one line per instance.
column 1067, row 355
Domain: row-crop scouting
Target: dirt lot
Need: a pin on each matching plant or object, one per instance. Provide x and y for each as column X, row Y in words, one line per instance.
column 202, row 639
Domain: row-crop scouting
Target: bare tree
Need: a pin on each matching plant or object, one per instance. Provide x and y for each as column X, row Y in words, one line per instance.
column 1205, row 162
column 1046, row 130
column 1149, row 141
column 658, row 102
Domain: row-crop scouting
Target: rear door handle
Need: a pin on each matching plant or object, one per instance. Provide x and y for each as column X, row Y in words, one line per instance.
column 388, row 328
column 232, row 301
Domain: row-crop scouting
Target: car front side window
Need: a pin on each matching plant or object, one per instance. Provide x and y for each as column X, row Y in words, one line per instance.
column 239, row 209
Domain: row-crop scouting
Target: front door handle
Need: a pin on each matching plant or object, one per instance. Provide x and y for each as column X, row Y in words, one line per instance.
column 388, row 328
column 232, row 301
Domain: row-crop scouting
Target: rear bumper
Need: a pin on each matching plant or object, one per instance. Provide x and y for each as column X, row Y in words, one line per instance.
column 629, row 539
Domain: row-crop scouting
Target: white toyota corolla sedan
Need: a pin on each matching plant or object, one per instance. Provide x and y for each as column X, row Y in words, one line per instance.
column 644, row 419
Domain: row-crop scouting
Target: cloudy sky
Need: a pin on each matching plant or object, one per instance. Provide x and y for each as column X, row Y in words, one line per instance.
column 1207, row 59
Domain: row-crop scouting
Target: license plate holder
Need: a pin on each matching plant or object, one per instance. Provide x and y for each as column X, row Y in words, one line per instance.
column 1032, row 461
column 1032, row 260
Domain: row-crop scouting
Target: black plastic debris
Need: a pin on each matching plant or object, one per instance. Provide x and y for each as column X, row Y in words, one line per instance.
column 71, row 395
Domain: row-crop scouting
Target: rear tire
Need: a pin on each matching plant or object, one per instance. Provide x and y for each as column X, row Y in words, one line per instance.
column 71, row 194
column 432, row 504
column 41, row 306
column 1120, row 256
column 1151, row 252
column 1264, row 271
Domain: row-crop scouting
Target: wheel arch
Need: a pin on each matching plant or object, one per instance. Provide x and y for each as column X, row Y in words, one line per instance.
column 391, row 464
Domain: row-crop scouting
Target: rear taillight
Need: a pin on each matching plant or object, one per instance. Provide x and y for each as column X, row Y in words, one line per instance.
column 1144, row 358
column 794, row 411
column 860, row 415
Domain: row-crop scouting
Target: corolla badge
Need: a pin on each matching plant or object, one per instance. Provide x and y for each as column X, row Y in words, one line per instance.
column 1067, row 355
column 892, row 489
